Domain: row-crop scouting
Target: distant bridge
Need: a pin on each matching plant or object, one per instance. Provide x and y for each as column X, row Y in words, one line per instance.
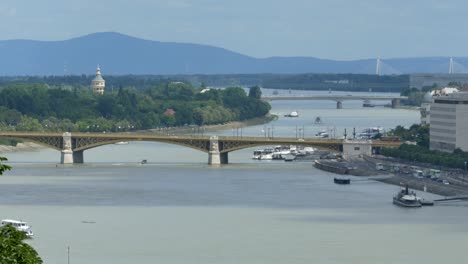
column 72, row 145
column 340, row 98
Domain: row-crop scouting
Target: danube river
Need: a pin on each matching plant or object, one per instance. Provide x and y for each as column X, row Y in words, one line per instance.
column 177, row 209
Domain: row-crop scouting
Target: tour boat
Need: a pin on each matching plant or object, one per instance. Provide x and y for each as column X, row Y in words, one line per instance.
column 19, row 225
column 266, row 154
column 371, row 132
column 405, row 198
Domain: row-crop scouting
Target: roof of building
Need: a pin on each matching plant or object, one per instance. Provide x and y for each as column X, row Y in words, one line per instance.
column 98, row 75
column 98, row 78
column 169, row 112
column 460, row 96
column 427, row 97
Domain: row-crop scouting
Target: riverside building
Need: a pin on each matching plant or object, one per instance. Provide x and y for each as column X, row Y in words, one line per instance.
column 449, row 122
column 98, row 84
column 428, row 100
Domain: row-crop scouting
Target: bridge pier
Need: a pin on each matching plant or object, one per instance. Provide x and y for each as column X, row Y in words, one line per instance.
column 224, row 158
column 339, row 105
column 214, row 156
column 78, row 157
column 395, row 103
column 67, row 153
column 66, row 157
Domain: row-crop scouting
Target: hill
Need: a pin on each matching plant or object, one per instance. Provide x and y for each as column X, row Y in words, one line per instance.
column 122, row 54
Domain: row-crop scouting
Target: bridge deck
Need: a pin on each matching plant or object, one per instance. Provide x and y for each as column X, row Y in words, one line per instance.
column 334, row 97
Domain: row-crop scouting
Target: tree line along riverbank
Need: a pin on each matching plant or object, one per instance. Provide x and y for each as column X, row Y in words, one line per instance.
column 37, row 107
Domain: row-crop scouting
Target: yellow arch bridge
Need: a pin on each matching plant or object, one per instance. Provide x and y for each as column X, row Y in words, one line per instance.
column 72, row 145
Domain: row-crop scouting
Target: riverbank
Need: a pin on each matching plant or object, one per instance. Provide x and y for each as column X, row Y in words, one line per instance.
column 200, row 130
column 449, row 183
column 22, row 146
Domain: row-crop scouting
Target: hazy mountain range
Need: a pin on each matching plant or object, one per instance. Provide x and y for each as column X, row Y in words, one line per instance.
column 122, row 54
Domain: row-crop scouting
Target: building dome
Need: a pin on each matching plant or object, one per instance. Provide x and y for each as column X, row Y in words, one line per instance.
column 427, row 97
column 98, row 84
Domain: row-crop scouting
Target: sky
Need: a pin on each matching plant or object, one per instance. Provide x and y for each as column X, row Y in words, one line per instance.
column 329, row 29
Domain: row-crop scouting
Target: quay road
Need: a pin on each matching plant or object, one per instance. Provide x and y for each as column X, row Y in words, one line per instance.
column 72, row 145
column 340, row 98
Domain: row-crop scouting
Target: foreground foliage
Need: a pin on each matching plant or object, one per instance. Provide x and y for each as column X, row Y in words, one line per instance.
column 13, row 249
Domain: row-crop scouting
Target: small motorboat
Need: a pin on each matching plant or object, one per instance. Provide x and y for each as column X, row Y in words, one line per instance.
column 18, row 225
column 292, row 114
column 318, row 120
column 143, row 161
column 341, row 181
column 121, row 143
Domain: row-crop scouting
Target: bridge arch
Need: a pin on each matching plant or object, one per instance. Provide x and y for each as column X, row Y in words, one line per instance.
column 48, row 142
column 198, row 147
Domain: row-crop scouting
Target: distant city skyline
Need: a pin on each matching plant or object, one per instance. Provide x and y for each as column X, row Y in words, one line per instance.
column 332, row 29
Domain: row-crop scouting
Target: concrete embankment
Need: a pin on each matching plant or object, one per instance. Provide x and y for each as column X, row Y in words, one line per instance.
column 453, row 186
column 331, row 166
column 25, row 146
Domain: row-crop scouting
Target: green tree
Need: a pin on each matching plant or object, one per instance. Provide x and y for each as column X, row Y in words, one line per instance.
column 3, row 167
column 255, row 92
column 13, row 249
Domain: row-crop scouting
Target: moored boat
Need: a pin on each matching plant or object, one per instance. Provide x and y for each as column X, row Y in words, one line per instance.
column 341, row 181
column 18, row 225
column 322, row 134
column 405, row 198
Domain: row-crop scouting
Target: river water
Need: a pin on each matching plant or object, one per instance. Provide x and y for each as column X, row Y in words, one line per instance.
column 177, row 209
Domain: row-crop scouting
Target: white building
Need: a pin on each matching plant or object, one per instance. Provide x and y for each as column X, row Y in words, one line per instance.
column 98, row 84
column 429, row 99
column 449, row 122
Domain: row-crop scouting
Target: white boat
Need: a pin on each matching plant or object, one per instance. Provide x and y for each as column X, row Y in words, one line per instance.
column 19, row 225
column 121, row 143
column 322, row 134
column 371, row 132
column 282, row 150
column 292, row 114
column 405, row 198
column 265, row 154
